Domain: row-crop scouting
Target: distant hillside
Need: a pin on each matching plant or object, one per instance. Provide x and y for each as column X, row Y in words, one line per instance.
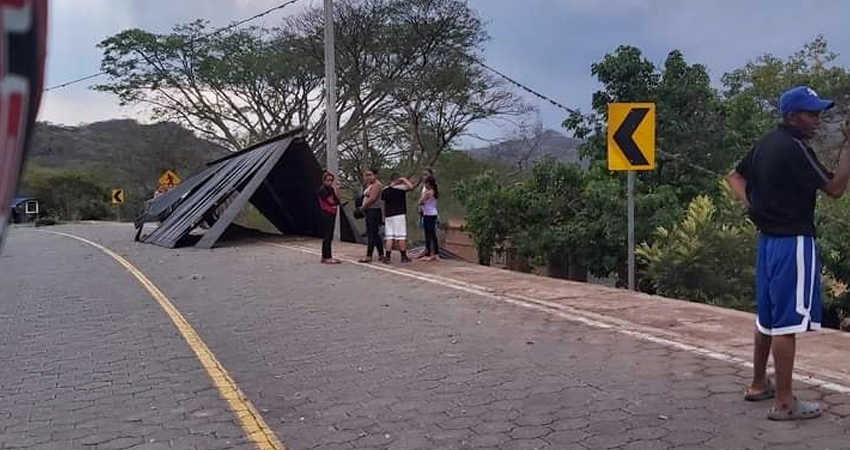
column 121, row 154
column 139, row 152
column 549, row 143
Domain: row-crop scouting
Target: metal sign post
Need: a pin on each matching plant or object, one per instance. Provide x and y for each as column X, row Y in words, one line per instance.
column 631, row 147
column 118, row 200
column 631, row 213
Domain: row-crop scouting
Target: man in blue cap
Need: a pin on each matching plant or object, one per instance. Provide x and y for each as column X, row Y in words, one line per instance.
column 778, row 180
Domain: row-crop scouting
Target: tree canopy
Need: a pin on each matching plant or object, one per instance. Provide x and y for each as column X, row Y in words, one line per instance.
column 408, row 84
column 697, row 242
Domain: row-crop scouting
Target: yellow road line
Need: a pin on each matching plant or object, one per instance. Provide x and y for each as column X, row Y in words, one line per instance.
column 252, row 422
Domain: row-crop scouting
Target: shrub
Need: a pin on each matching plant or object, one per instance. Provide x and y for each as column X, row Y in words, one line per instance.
column 708, row 257
column 46, row 221
column 67, row 194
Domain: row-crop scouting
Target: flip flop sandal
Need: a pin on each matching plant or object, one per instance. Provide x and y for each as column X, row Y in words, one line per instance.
column 799, row 411
column 768, row 393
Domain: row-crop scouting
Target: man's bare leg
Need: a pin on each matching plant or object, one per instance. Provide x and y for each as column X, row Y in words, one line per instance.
column 402, row 247
column 388, row 250
column 761, row 353
column 784, row 348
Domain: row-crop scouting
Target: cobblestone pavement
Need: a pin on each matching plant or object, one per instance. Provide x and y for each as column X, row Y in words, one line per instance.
column 90, row 361
column 341, row 358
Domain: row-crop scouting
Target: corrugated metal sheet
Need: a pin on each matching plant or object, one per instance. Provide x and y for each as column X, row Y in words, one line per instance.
column 18, row 200
column 279, row 177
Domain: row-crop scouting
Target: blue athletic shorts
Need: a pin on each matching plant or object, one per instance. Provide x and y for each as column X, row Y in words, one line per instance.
column 788, row 285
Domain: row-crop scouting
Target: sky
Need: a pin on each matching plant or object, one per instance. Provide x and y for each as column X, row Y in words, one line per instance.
column 547, row 44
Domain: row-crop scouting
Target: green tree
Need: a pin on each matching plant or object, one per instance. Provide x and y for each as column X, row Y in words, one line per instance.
column 690, row 123
column 493, row 212
column 766, row 77
column 690, row 118
column 453, row 168
column 67, row 194
column 408, row 85
column 756, row 87
column 550, row 230
column 561, row 216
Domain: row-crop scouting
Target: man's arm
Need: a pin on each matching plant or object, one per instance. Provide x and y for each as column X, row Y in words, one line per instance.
column 406, row 183
column 738, row 184
column 836, row 187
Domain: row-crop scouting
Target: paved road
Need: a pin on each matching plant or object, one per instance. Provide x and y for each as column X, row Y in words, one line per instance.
column 339, row 358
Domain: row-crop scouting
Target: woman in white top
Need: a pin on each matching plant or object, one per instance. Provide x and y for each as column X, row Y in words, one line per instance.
column 428, row 206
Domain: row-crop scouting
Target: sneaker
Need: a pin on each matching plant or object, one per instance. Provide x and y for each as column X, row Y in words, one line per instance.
column 386, row 260
column 405, row 260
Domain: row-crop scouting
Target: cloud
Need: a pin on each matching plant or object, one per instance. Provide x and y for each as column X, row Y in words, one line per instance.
column 605, row 7
column 725, row 34
column 77, row 26
column 78, row 105
column 547, row 44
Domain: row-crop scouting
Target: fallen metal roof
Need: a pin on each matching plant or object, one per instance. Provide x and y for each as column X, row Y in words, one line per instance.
column 279, row 177
column 18, row 200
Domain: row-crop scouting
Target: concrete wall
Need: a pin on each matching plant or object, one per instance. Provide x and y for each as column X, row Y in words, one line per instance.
column 459, row 242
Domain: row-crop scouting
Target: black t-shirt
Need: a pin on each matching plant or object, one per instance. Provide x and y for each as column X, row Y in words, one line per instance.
column 783, row 176
column 395, row 201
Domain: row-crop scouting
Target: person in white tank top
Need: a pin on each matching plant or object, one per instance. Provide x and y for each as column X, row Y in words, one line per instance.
column 428, row 209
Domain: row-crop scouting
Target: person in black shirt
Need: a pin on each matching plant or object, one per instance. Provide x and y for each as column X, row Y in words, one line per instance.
column 328, row 196
column 395, row 216
column 778, row 180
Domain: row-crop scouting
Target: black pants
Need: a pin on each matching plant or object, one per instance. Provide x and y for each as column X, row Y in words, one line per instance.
column 373, row 225
column 432, row 246
column 328, row 225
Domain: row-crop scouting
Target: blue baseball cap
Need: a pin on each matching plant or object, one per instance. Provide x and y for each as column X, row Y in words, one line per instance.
column 802, row 98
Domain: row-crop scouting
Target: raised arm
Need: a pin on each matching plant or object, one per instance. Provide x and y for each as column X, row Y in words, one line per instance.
column 425, row 196
column 738, row 184
column 335, row 188
column 836, row 187
column 406, row 183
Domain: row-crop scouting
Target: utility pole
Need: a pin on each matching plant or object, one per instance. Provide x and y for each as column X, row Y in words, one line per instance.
column 631, row 235
column 331, row 122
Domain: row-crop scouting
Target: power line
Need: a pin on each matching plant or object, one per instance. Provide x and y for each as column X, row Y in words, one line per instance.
column 249, row 19
column 199, row 38
column 673, row 156
column 78, row 80
column 560, row 105
column 522, row 86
